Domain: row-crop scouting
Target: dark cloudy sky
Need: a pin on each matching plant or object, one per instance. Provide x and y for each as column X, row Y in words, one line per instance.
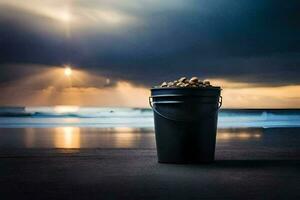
column 250, row 47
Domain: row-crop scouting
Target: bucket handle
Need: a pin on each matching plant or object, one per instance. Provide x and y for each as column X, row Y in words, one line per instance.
column 173, row 119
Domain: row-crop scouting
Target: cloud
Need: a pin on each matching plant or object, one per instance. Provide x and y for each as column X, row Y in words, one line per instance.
column 126, row 94
column 122, row 94
column 36, row 77
column 145, row 42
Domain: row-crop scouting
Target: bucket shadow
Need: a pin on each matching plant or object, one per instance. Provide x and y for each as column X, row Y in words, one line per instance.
column 239, row 164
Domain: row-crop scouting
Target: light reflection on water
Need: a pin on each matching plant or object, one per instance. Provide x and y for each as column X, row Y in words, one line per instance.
column 29, row 137
column 75, row 137
column 126, row 137
column 67, row 137
column 239, row 136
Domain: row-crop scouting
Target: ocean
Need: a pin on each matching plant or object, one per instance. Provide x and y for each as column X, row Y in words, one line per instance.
column 72, row 127
column 97, row 117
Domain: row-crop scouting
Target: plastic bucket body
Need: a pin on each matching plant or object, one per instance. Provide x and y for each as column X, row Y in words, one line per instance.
column 185, row 122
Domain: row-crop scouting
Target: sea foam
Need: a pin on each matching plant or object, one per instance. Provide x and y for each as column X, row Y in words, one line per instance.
column 136, row 117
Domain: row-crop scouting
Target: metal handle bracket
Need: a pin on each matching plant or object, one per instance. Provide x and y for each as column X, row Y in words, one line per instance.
column 152, row 104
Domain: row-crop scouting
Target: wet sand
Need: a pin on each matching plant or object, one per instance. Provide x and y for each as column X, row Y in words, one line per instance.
column 66, row 163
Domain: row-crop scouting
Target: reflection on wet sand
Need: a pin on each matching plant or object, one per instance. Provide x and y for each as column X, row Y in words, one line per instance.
column 75, row 137
column 239, row 135
column 125, row 138
column 243, row 134
column 29, row 137
column 67, row 137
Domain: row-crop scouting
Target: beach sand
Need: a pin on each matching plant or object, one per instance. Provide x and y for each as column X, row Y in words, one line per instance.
column 120, row 163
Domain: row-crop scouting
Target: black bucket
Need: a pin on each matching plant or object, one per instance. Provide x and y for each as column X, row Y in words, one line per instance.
column 185, row 122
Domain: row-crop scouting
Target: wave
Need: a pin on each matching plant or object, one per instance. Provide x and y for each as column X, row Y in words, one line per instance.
column 51, row 112
column 135, row 117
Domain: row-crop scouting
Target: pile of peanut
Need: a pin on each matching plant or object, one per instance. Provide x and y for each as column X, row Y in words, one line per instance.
column 185, row 82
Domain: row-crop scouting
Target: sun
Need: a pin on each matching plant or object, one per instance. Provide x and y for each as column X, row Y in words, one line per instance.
column 65, row 17
column 68, row 71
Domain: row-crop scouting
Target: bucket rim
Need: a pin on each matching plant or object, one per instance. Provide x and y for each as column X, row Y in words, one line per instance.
column 187, row 88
